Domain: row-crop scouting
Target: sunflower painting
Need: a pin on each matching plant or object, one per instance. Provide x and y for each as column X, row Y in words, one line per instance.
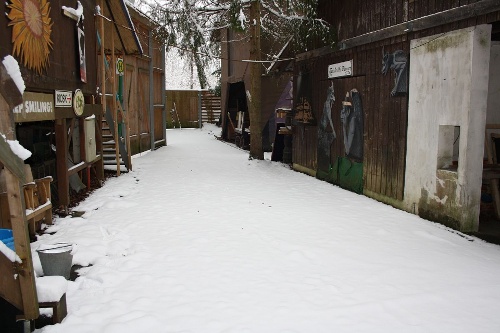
column 31, row 32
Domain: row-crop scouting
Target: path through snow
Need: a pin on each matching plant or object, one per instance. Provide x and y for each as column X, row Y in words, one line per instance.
column 200, row 239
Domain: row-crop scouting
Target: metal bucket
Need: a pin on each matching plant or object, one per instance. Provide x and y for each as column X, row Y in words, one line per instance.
column 56, row 259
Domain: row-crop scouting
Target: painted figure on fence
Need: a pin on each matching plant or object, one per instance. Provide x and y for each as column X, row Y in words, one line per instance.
column 326, row 136
column 352, row 125
column 397, row 62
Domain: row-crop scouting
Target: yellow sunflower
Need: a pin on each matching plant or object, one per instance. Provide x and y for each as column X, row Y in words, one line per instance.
column 31, row 31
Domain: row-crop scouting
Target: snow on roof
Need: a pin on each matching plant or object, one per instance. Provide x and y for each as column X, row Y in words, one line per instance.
column 13, row 70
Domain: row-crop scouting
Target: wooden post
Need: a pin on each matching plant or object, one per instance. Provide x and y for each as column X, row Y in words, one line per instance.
column 25, row 272
column 254, row 101
column 10, row 97
column 62, row 158
column 164, row 95
column 151, row 93
column 100, row 167
column 6, row 123
column 113, row 102
column 493, row 182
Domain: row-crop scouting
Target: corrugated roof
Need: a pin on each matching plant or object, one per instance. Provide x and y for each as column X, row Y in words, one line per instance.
column 126, row 39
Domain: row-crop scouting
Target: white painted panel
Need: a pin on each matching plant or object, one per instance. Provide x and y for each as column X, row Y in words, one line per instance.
column 448, row 86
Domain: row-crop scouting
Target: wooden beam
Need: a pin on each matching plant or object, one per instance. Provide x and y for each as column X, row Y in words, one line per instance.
column 448, row 16
column 11, row 161
column 100, row 168
column 82, row 165
column 62, row 158
column 8, row 89
column 10, row 290
column 99, row 165
column 113, row 103
column 151, row 93
column 25, row 272
column 315, row 53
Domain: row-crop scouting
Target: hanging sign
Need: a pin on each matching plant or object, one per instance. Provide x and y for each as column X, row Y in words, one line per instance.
column 63, row 98
column 120, row 67
column 339, row 70
column 35, row 107
column 78, row 102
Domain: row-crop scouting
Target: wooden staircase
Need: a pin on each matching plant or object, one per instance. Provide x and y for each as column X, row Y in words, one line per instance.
column 110, row 146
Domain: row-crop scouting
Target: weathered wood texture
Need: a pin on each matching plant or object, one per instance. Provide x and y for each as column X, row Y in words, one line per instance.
column 357, row 17
column 22, row 246
column 385, row 117
column 63, row 71
column 186, row 104
column 210, row 107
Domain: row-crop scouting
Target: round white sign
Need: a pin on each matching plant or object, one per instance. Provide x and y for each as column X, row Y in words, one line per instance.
column 78, row 102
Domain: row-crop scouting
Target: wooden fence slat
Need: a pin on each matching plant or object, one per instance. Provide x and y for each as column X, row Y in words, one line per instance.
column 26, row 273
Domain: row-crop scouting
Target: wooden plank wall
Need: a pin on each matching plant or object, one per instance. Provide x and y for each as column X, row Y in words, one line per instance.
column 385, row 117
column 210, row 107
column 186, row 103
column 358, row 17
column 63, row 71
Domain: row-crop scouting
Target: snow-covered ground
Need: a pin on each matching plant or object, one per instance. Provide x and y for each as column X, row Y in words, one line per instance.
column 200, row 239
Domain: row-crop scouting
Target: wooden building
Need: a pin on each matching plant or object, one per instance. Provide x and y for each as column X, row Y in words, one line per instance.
column 235, row 80
column 144, row 94
column 134, row 72
column 61, row 66
column 192, row 108
column 397, row 109
column 18, row 293
column 57, row 56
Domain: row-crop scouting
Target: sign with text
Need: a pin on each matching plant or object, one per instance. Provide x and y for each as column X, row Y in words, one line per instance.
column 63, row 98
column 339, row 70
column 35, row 107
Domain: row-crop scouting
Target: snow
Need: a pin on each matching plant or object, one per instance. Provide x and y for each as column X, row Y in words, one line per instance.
column 50, row 288
column 11, row 255
column 12, row 67
column 41, row 207
column 76, row 166
column 55, row 248
column 17, row 148
column 242, row 18
column 181, row 77
column 198, row 238
column 76, row 13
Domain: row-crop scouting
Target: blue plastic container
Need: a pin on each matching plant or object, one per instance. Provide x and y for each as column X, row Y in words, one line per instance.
column 7, row 238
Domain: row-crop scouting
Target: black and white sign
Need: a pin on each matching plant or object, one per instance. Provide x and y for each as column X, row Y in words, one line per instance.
column 63, row 98
column 339, row 70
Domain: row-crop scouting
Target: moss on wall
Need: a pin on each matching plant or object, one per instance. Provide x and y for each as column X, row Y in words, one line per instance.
column 446, row 206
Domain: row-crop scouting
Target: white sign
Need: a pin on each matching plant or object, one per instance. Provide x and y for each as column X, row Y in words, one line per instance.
column 78, row 102
column 340, row 69
column 36, row 107
column 63, row 98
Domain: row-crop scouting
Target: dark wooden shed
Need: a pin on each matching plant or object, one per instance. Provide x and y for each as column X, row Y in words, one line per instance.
column 367, row 73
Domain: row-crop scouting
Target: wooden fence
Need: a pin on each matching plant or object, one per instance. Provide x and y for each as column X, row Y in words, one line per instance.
column 210, row 108
column 185, row 107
